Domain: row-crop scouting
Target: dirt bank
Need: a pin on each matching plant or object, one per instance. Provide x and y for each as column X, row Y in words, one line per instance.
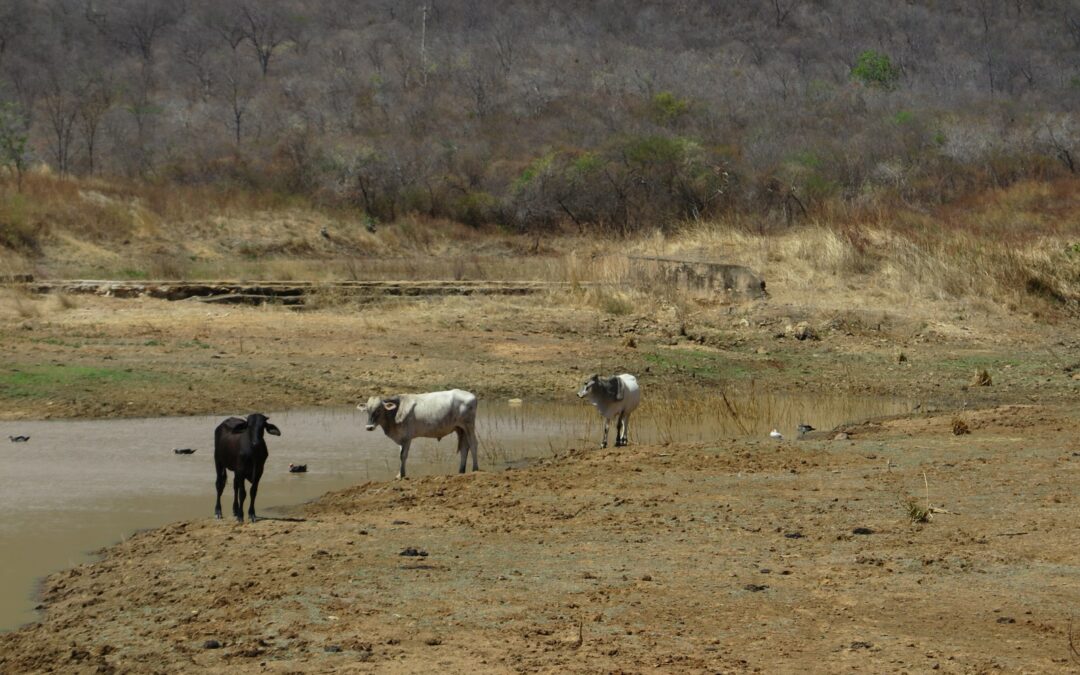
column 734, row 556
column 87, row 356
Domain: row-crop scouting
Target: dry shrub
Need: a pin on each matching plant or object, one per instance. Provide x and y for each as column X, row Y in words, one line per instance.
column 168, row 266
column 21, row 304
column 63, row 301
column 981, row 378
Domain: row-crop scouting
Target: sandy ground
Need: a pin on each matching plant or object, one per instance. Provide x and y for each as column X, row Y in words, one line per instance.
column 728, row 557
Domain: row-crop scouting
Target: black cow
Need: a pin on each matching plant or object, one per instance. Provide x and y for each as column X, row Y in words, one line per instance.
column 239, row 446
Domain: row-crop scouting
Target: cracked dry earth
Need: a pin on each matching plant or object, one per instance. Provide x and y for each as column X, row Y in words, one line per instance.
column 739, row 556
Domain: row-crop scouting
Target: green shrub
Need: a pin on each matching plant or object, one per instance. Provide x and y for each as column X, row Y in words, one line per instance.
column 667, row 107
column 875, row 69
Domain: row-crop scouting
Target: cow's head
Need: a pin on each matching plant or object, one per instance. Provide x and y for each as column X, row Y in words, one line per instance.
column 611, row 388
column 380, row 411
column 593, row 381
column 255, row 425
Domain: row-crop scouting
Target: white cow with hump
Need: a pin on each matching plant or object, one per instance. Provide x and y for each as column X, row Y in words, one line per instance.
column 433, row 415
column 615, row 398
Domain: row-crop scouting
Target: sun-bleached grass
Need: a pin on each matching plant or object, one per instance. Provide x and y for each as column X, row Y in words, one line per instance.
column 1016, row 248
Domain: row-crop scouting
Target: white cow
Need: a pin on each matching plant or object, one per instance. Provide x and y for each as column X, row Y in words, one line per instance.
column 434, row 415
column 614, row 397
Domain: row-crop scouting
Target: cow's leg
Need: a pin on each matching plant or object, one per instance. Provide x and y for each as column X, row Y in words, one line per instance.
column 239, row 494
column 603, row 443
column 463, row 449
column 619, row 430
column 404, row 456
column 254, row 490
column 474, row 446
column 221, row 480
column 626, row 429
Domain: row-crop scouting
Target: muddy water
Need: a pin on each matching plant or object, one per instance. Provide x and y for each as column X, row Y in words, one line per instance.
column 76, row 486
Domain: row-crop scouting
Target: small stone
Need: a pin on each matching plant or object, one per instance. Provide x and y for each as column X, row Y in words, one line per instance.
column 433, row 642
column 755, row 588
column 646, row 577
column 211, row 644
column 842, row 436
column 862, row 530
column 1006, row 619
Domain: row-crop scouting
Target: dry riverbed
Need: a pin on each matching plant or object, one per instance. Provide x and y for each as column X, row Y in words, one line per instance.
column 734, row 556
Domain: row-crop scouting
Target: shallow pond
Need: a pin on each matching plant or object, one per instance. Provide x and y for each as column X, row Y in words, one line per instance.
column 76, row 486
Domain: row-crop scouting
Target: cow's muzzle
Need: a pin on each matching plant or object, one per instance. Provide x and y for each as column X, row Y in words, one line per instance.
column 370, row 427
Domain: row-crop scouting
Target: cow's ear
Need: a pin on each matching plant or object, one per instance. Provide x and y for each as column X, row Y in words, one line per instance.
column 390, row 405
column 241, row 427
column 620, row 388
column 271, row 429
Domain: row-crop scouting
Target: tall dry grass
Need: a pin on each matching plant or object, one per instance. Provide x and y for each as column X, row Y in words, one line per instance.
column 1017, row 247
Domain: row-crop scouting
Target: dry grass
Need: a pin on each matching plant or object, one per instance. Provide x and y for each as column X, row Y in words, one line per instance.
column 1017, row 248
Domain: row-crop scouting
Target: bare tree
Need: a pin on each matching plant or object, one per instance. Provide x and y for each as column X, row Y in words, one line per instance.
column 782, row 9
column 12, row 23
column 238, row 89
column 61, row 110
column 136, row 25
column 95, row 98
column 195, row 45
column 265, row 27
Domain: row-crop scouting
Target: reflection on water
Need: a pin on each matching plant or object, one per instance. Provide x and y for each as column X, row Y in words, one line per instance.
column 79, row 485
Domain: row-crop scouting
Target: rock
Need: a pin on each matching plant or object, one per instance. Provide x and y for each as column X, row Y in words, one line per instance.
column 211, row 644
column 433, row 642
column 333, row 649
column 1006, row 619
column 414, row 552
column 794, row 535
column 862, row 530
column 842, row 436
column 981, row 379
column 755, row 588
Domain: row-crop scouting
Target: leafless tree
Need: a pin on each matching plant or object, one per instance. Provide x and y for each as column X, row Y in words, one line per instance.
column 238, row 89
column 134, row 26
column 95, row 98
column 61, row 110
column 266, row 28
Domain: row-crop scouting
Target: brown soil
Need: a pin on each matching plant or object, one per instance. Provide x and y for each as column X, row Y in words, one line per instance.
column 731, row 556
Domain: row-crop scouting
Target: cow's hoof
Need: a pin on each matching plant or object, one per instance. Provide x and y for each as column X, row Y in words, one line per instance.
column 253, row 519
column 217, row 516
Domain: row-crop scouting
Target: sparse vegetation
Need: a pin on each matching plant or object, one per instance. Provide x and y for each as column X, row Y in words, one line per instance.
column 509, row 117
